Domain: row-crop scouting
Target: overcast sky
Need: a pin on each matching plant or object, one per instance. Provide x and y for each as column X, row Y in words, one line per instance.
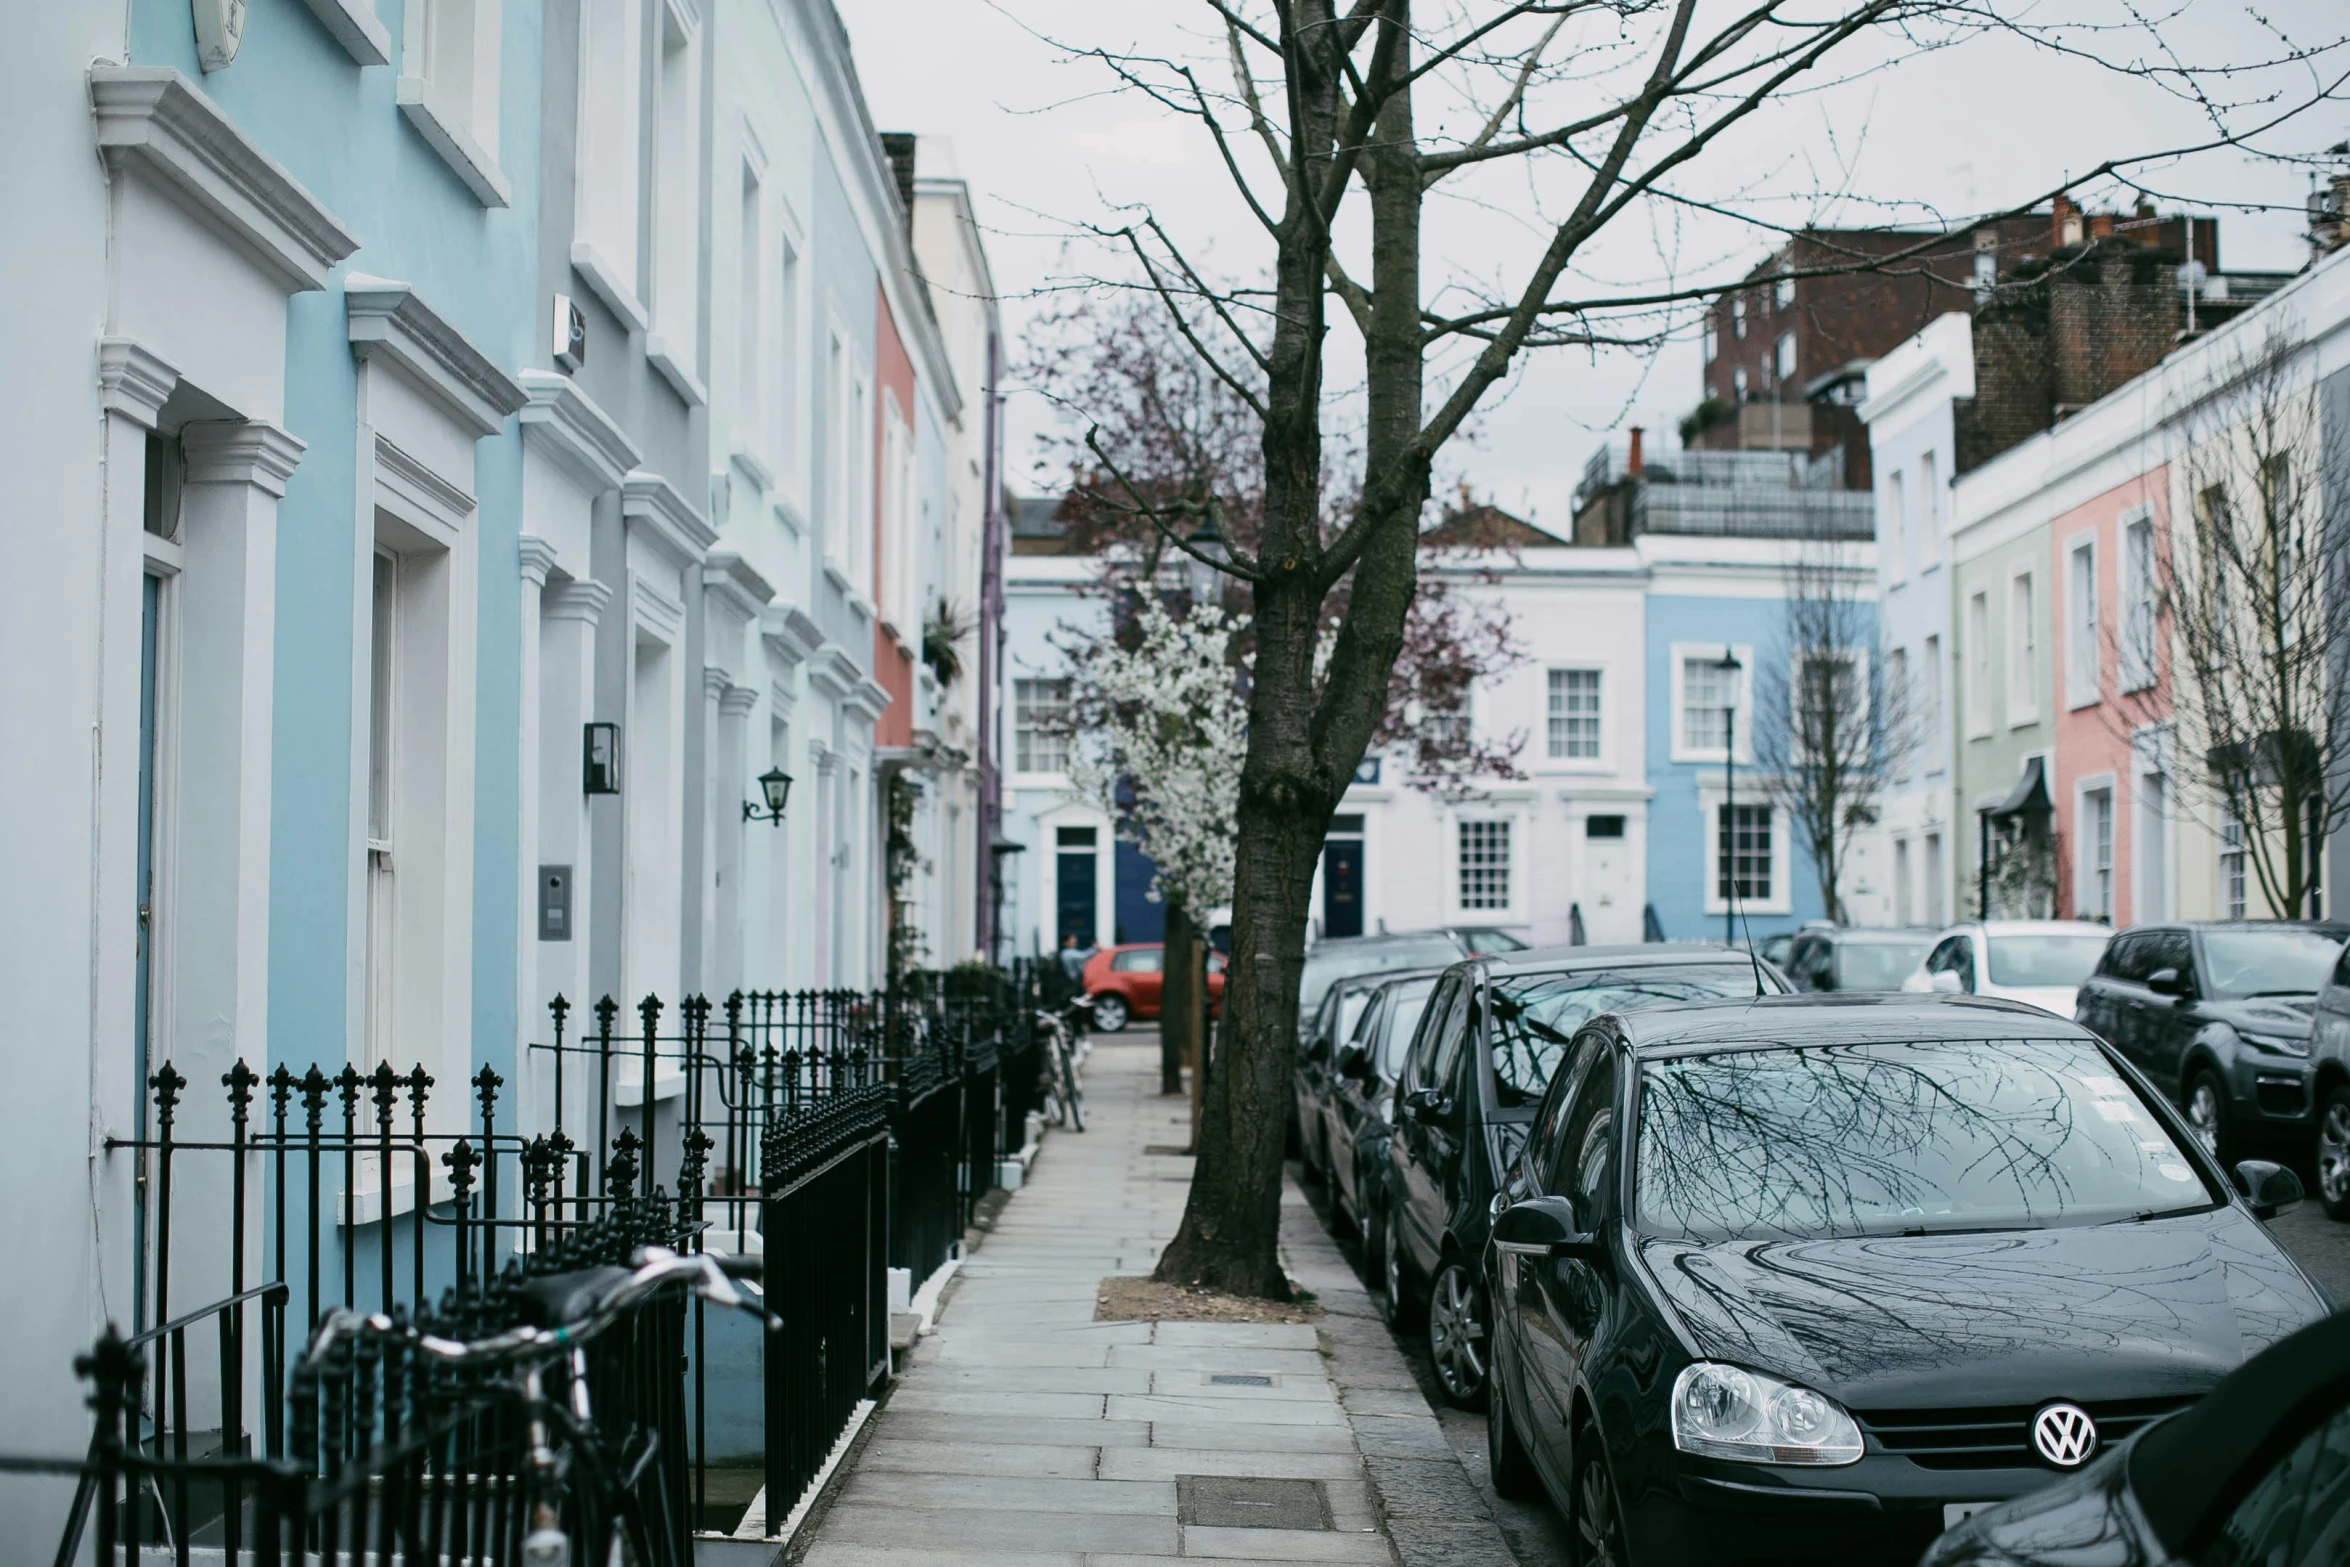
column 1048, row 145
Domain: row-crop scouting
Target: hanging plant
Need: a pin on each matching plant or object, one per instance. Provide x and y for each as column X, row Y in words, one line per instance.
column 942, row 638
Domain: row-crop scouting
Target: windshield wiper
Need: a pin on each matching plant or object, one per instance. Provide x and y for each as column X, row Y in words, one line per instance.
column 2259, row 994
column 1966, row 1229
column 2144, row 1214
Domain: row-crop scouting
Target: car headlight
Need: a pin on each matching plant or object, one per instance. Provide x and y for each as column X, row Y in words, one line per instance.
column 2277, row 1044
column 1728, row 1412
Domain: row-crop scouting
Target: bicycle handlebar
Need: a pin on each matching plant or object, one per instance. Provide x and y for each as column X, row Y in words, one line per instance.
column 584, row 1303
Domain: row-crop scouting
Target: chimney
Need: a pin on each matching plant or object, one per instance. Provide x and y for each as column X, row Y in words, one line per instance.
column 1632, row 462
column 898, row 147
column 2101, row 225
column 2064, row 223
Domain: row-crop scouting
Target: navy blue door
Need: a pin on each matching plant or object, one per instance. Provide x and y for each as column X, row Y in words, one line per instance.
column 1342, row 887
column 1075, row 903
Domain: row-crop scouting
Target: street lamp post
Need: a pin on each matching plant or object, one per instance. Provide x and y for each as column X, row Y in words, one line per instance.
column 1729, row 667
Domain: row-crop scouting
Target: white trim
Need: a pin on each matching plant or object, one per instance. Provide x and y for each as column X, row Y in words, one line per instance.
column 353, row 24
column 2082, row 687
column 652, row 608
column 1742, row 743
column 418, row 101
column 684, row 532
column 389, row 318
column 134, row 382
column 1605, row 761
column 416, row 494
column 733, row 581
column 564, row 422
column 2153, row 840
column 1515, row 816
column 673, row 369
column 2134, row 667
column 604, row 281
column 1711, row 797
column 154, row 121
column 2083, row 787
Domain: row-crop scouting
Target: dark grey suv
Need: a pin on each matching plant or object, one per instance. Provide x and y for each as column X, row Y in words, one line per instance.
column 2329, row 1042
column 2218, row 1015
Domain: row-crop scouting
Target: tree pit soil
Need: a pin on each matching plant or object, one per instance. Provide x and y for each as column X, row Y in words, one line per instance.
column 1137, row 1299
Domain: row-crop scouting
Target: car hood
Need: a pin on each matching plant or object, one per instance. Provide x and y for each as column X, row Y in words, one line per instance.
column 2089, row 1311
column 2059, row 999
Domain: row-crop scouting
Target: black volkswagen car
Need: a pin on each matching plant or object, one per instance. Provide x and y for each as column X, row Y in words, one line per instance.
column 2218, row 1016
column 2257, row 1473
column 1808, row 1280
column 1479, row 1062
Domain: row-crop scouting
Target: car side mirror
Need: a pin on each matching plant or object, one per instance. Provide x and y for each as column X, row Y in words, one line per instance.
column 2269, row 1188
column 2166, row 982
column 1424, row 1105
column 1353, row 1060
column 1944, row 982
column 1544, row 1227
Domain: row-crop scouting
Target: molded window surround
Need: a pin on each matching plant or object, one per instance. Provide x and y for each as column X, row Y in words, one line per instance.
column 448, row 89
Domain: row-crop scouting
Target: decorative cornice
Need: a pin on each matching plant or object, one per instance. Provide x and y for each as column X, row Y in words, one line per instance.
column 737, row 701
column 421, row 485
column 657, row 611
column 832, row 672
column 154, row 121
column 132, row 381
column 388, row 318
column 565, row 423
column 790, row 632
column 537, row 559
column 647, row 497
column 241, row 452
column 582, row 598
column 731, row 581
column 868, row 699
column 780, row 695
column 715, row 679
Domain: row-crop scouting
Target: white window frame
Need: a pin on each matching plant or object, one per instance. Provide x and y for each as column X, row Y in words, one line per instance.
column 1743, row 740
column 1710, row 800
column 2135, row 665
column 2233, row 892
column 1602, row 754
column 2086, row 868
column 1784, row 293
column 1899, row 691
column 1021, row 727
column 673, row 338
column 1977, row 694
column 2154, row 856
column 2083, row 660
column 1904, row 906
column 2023, row 648
column 1513, row 821
column 605, row 250
column 1783, row 358
column 448, row 88
column 1896, row 554
column 1929, row 488
column 751, row 334
column 1713, row 343
column 1857, row 658
column 1738, row 317
column 1930, row 661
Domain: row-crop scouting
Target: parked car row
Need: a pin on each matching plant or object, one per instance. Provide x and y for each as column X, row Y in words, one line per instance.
column 1125, row 983
column 1750, row 1276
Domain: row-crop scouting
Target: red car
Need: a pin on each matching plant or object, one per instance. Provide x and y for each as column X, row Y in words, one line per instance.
column 1124, row 982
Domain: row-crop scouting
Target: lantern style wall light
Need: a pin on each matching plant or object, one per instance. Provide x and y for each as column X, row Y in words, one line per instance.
column 775, row 789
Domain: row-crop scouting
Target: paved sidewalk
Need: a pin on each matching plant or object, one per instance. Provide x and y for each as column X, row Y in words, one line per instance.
column 1028, row 1435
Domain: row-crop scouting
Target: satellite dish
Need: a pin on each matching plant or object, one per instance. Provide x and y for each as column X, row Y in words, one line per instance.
column 220, row 27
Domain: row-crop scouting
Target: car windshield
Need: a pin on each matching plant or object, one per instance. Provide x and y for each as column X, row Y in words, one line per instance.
column 2045, row 959
column 1878, row 965
column 1898, row 1139
column 1351, row 1002
column 1405, row 1003
column 2245, row 963
column 1329, row 966
column 1534, row 1015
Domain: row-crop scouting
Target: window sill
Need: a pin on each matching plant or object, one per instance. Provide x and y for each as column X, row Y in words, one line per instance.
column 1578, row 767
column 2020, row 721
column 353, row 24
column 476, row 168
column 838, row 577
column 673, row 370
column 2073, row 704
column 1711, row 758
column 603, row 281
column 789, row 515
column 753, row 469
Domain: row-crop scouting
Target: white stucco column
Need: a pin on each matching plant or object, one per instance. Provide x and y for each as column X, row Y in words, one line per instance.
column 537, row 559
column 569, row 612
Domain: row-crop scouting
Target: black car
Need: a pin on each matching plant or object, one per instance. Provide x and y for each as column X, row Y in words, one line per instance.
column 2255, row 1473
column 2218, row 1016
column 1316, row 1077
column 1328, row 963
column 1480, row 1060
column 1807, row 1280
column 1359, row 1113
column 1850, row 961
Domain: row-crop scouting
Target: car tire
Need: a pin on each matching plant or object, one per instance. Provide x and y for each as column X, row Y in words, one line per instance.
column 2333, row 1152
column 2205, row 1104
column 1397, row 1306
column 1507, row 1463
column 1595, row 1517
column 1457, row 1338
column 1110, row 1012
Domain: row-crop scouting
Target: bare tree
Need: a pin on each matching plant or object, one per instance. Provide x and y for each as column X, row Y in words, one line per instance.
column 1336, row 128
column 1832, row 721
column 2252, row 594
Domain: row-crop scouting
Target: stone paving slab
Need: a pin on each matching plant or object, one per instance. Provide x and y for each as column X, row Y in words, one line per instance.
column 993, row 1458
column 1023, row 1493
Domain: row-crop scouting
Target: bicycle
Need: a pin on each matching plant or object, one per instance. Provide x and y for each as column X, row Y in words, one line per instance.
column 1064, row 1100
column 565, row 1458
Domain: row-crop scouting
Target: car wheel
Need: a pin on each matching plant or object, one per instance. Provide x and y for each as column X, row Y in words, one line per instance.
column 1109, row 1012
column 1507, row 1462
column 1456, row 1336
column 1396, row 1305
column 1597, row 1527
column 2333, row 1152
column 2206, row 1106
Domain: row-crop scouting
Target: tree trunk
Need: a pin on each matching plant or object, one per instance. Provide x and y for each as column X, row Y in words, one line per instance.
column 1304, row 743
column 1176, row 1007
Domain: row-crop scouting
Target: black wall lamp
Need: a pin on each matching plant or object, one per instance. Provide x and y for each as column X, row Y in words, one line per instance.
column 775, row 787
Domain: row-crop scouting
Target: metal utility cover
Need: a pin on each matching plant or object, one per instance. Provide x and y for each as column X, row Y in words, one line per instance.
column 1240, row 1502
column 1240, row 1379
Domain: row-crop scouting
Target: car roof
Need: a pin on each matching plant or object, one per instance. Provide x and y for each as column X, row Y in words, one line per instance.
column 1650, row 954
column 2029, row 928
column 1789, row 1022
column 2321, row 927
column 1875, row 933
column 1385, row 938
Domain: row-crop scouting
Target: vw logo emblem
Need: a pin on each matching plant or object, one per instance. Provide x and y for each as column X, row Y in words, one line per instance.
column 2065, row 1435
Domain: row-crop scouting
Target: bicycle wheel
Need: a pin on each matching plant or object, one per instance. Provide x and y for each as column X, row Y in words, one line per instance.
column 1070, row 1094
